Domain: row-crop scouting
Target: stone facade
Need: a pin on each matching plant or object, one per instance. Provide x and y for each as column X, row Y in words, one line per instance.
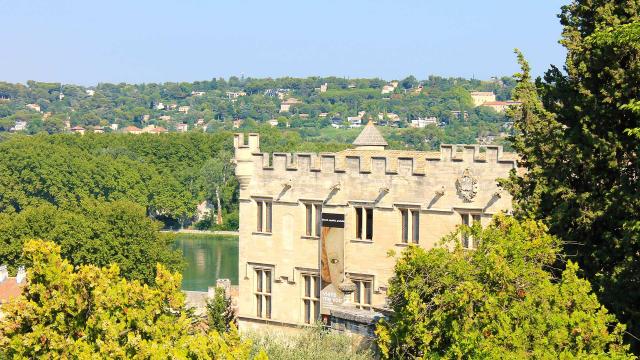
column 481, row 97
column 389, row 200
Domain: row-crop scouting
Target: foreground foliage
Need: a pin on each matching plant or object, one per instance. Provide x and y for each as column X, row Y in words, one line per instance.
column 220, row 314
column 498, row 301
column 100, row 234
column 578, row 137
column 311, row 344
column 92, row 313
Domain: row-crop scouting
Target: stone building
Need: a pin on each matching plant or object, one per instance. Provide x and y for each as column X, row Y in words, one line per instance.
column 500, row 106
column 316, row 229
column 481, row 97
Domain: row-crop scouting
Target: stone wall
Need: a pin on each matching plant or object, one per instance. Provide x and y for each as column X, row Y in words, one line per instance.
column 440, row 186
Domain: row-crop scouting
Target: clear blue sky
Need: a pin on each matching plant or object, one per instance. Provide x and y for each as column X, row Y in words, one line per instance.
column 86, row 42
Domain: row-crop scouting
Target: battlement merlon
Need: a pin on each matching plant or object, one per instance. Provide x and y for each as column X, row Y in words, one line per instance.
column 253, row 143
column 473, row 153
column 244, row 157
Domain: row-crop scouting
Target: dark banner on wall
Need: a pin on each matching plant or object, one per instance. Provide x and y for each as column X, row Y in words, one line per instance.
column 331, row 260
column 333, row 220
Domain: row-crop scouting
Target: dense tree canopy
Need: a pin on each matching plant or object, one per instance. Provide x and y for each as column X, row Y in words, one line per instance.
column 92, row 313
column 577, row 137
column 497, row 302
column 99, row 234
column 159, row 173
column 168, row 175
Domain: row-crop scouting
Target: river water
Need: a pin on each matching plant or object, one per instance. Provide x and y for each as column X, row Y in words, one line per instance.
column 208, row 257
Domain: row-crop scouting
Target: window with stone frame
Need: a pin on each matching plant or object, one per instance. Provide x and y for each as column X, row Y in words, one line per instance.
column 364, row 223
column 263, row 215
column 262, row 291
column 310, row 298
column 313, row 219
column 469, row 219
column 363, row 294
column 410, row 220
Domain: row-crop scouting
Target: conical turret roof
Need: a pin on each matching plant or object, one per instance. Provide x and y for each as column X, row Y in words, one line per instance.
column 370, row 136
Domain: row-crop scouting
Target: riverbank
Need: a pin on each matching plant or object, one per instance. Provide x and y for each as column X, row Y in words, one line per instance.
column 203, row 232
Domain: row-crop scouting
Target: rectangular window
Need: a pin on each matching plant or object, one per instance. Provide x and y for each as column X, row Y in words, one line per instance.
column 369, row 224
column 364, row 223
column 367, row 292
column 468, row 242
column 405, row 225
column 363, row 294
column 268, row 216
column 358, row 223
column 313, row 219
column 415, row 216
column 267, row 313
column 311, row 298
column 465, row 219
column 263, row 293
column 309, row 216
column 259, row 217
column 410, row 228
column 307, row 286
column 263, row 216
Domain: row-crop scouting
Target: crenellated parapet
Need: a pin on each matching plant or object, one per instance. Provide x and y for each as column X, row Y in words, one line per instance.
column 353, row 161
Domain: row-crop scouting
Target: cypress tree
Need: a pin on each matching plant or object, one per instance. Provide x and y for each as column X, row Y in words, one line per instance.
column 578, row 136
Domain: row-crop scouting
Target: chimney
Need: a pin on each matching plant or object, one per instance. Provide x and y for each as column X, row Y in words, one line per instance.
column 4, row 273
column 21, row 275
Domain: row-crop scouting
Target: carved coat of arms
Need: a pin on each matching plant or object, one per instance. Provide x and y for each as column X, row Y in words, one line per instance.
column 467, row 186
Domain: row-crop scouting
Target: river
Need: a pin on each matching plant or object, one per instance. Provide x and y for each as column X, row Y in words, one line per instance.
column 208, row 257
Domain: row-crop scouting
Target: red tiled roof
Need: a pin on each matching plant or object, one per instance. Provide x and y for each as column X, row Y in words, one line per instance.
column 10, row 289
column 131, row 128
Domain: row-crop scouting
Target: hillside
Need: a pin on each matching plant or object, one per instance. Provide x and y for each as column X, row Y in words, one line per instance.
column 318, row 108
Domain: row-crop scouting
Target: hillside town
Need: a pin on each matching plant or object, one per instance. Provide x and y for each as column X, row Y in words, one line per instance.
column 266, row 180
column 311, row 106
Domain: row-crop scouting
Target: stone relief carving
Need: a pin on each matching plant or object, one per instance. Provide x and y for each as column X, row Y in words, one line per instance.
column 467, row 186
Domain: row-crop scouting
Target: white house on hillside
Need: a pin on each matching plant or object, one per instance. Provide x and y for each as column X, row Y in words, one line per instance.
column 423, row 122
column 19, row 126
column 182, row 127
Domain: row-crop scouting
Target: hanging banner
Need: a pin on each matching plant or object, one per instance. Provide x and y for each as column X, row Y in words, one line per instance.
column 331, row 260
column 333, row 220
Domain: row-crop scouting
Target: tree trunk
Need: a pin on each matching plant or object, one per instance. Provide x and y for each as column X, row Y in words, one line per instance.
column 219, row 217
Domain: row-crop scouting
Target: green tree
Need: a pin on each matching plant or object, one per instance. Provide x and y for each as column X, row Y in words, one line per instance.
column 92, row 313
column 495, row 302
column 170, row 198
column 311, row 343
column 100, row 234
column 220, row 315
column 54, row 124
column 409, row 82
column 575, row 135
column 216, row 174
